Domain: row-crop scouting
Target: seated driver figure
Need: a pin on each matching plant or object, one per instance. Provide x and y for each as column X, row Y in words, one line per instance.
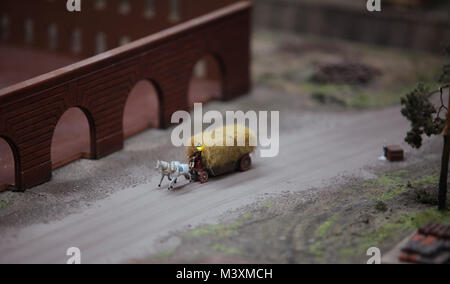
column 196, row 158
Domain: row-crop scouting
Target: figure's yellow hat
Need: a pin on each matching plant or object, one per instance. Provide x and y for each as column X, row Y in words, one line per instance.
column 200, row 147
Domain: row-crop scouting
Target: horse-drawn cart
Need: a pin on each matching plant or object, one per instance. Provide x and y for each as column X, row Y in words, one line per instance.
column 202, row 173
column 211, row 161
column 206, row 161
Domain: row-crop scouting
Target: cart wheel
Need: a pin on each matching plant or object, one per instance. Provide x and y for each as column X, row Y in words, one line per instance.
column 245, row 163
column 203, row 175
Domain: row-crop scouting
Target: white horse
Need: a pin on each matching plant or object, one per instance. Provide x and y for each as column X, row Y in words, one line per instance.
column 178, row 170
column 165, row 169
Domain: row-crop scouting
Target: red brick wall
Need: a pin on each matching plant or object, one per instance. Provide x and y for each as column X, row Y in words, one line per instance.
column 99, row 86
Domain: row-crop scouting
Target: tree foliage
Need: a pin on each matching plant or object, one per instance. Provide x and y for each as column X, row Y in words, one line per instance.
column 418, row 109
column 423, row 115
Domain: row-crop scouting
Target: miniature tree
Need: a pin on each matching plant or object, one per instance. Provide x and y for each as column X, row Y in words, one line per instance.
column 425, row 119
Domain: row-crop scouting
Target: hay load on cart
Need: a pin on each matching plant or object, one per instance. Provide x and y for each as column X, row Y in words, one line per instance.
column 215, row 160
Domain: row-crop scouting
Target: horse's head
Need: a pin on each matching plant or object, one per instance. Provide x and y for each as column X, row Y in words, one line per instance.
column 158, row 165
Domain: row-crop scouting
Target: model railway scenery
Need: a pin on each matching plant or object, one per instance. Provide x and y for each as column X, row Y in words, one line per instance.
column 225, row 132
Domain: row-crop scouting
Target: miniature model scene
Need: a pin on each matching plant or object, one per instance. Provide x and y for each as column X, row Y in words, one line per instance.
column 224, row 132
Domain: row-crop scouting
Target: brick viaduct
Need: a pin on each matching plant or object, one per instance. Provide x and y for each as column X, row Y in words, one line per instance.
column 29, row 111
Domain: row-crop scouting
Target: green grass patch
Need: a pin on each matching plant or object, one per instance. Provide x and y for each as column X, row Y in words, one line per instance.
column 390, row 232
column 430, row 180
column 383, row 233
column 417, row 220
column 402, row 226
column 324, row 228
column 267, row 204
column 316, row 249
column 348, row 252
column 392, row 193
column 5, row 204
column 221, row 231
column 388, row 186
column 391, row 185
column 165, row 254
column 226, row 250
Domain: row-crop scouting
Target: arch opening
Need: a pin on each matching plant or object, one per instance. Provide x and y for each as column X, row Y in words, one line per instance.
column 206, row 83
column 71, row 138
column 7, row 165
column 142, row 109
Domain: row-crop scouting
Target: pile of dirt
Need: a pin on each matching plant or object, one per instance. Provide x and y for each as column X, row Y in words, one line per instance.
column 346, row 73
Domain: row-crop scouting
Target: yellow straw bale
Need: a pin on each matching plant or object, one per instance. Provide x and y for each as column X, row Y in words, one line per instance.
column 216, row 156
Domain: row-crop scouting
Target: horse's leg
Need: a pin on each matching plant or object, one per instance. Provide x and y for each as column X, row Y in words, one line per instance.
column 175, row 179
column 171, row 184
column 162, row 178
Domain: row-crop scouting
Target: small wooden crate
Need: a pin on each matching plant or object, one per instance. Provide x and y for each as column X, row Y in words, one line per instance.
column 394, row 153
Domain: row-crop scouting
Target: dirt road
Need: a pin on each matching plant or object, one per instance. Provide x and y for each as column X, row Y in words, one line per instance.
column 128, row 224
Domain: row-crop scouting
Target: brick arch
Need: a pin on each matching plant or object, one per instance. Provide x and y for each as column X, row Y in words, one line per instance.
column 87, row 113
column 205, row 89
column 214, row 54
column 73, row 123
column 17, row 166
column 159, row 95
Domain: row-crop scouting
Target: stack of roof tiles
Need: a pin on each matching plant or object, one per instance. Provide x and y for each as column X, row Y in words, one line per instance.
column 431, row 245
